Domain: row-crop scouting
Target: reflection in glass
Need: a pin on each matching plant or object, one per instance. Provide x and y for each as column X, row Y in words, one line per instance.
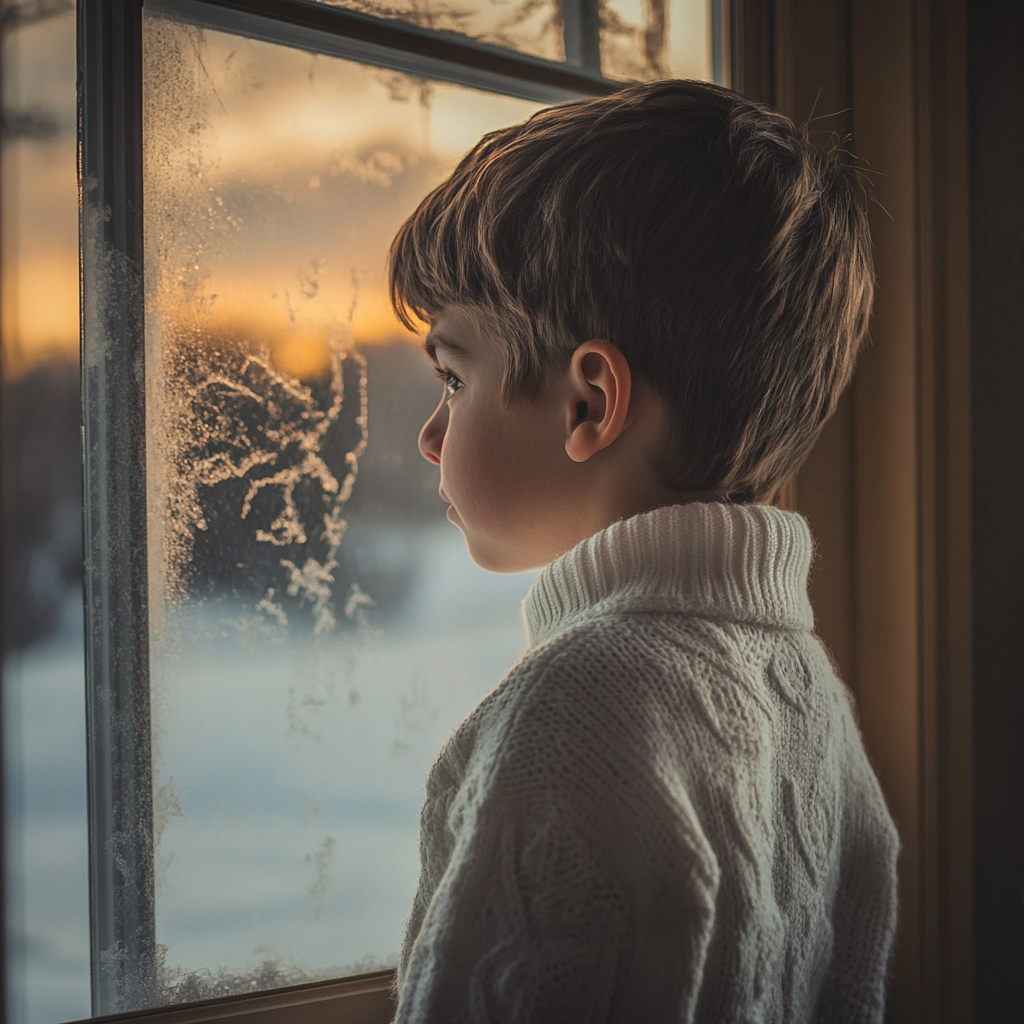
column 43, row 666
column 317, row 626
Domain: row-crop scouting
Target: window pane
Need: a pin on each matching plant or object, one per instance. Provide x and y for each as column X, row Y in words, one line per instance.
column 43, row 666
column 646, row 40
column 317, row 627
column 641, row 40
column 529, row 26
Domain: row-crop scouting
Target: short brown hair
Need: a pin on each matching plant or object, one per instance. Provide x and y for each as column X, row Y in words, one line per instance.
column 703, row 234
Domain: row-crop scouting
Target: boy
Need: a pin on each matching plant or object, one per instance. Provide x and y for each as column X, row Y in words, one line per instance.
column 644, row 307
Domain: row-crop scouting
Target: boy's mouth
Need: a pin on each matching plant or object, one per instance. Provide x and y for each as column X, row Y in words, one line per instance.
column 450, row 514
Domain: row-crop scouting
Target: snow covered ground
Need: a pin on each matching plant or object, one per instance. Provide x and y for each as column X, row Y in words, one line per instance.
column 289, row 773
column 47, row 829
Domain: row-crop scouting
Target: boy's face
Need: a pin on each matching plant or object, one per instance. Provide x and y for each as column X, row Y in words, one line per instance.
column 505, row 473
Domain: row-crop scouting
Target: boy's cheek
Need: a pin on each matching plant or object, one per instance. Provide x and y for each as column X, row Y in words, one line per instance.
column 500, row 478
column 471, row 469
column 500, row 527
column 480, row 502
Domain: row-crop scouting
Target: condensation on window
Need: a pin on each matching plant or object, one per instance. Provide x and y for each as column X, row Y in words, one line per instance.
column 317, row 627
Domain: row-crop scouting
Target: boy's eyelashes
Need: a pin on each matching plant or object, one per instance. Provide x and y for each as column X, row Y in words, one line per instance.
column 448, row 379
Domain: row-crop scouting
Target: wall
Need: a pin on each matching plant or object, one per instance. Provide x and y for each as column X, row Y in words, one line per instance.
column 997, row 279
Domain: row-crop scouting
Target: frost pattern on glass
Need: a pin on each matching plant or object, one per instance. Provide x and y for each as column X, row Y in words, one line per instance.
column 317, row 628
column 261, row 448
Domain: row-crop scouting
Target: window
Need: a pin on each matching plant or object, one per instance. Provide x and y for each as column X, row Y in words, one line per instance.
column 45, row 820
column 281, row 628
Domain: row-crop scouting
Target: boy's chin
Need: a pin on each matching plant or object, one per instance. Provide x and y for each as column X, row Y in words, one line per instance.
column 496, row 556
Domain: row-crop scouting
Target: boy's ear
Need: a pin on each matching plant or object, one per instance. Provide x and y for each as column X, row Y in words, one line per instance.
column 600, row 383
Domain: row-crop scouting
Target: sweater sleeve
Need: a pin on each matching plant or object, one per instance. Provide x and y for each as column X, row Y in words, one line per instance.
column 550, row 907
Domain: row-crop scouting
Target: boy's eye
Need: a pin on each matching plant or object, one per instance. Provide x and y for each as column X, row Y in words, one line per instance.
column 450, row 381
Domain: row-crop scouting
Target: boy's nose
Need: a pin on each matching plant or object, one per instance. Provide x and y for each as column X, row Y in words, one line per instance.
column 432, row 435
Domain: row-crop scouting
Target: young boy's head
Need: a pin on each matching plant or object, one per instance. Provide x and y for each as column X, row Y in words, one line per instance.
column 674, row 242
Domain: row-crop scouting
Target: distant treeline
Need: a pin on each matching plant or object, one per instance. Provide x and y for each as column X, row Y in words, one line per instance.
column 42, row 500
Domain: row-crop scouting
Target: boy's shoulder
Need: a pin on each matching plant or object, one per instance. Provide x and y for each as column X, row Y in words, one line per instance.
column 614, row 679
column 606, row 646
column 571, row 735
column 646, row 686
column 626, row 650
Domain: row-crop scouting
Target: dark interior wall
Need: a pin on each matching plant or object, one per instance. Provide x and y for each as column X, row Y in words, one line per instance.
column 997, row 279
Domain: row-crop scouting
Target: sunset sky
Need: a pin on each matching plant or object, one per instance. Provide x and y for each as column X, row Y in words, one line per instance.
column 325, row 156
column 40, row 197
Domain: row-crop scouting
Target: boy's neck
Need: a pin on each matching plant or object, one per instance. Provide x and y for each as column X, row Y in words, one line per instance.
column 625, row 480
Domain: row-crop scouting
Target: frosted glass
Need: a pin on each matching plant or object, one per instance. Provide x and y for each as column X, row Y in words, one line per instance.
column 317, row 626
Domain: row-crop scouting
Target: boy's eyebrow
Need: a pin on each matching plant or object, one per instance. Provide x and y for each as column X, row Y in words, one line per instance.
column 433, row 342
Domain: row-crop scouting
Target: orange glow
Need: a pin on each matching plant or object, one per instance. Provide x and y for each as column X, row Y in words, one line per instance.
column 388, row 143
column 40, row 312
column 374, row 322
column 301, row 355
column 299, row 351
column 40, row 251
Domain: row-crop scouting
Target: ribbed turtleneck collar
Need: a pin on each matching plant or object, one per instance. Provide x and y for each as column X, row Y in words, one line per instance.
column 747, row 563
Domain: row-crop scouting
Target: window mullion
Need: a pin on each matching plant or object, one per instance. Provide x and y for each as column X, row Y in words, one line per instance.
column 581, row 23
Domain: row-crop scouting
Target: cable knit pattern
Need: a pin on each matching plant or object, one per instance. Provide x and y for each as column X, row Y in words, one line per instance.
column 664, row 812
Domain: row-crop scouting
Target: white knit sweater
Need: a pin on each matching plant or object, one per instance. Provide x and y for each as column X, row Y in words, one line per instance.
column 664, row 812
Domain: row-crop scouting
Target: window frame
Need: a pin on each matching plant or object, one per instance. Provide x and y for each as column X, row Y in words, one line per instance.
column 866, row 494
